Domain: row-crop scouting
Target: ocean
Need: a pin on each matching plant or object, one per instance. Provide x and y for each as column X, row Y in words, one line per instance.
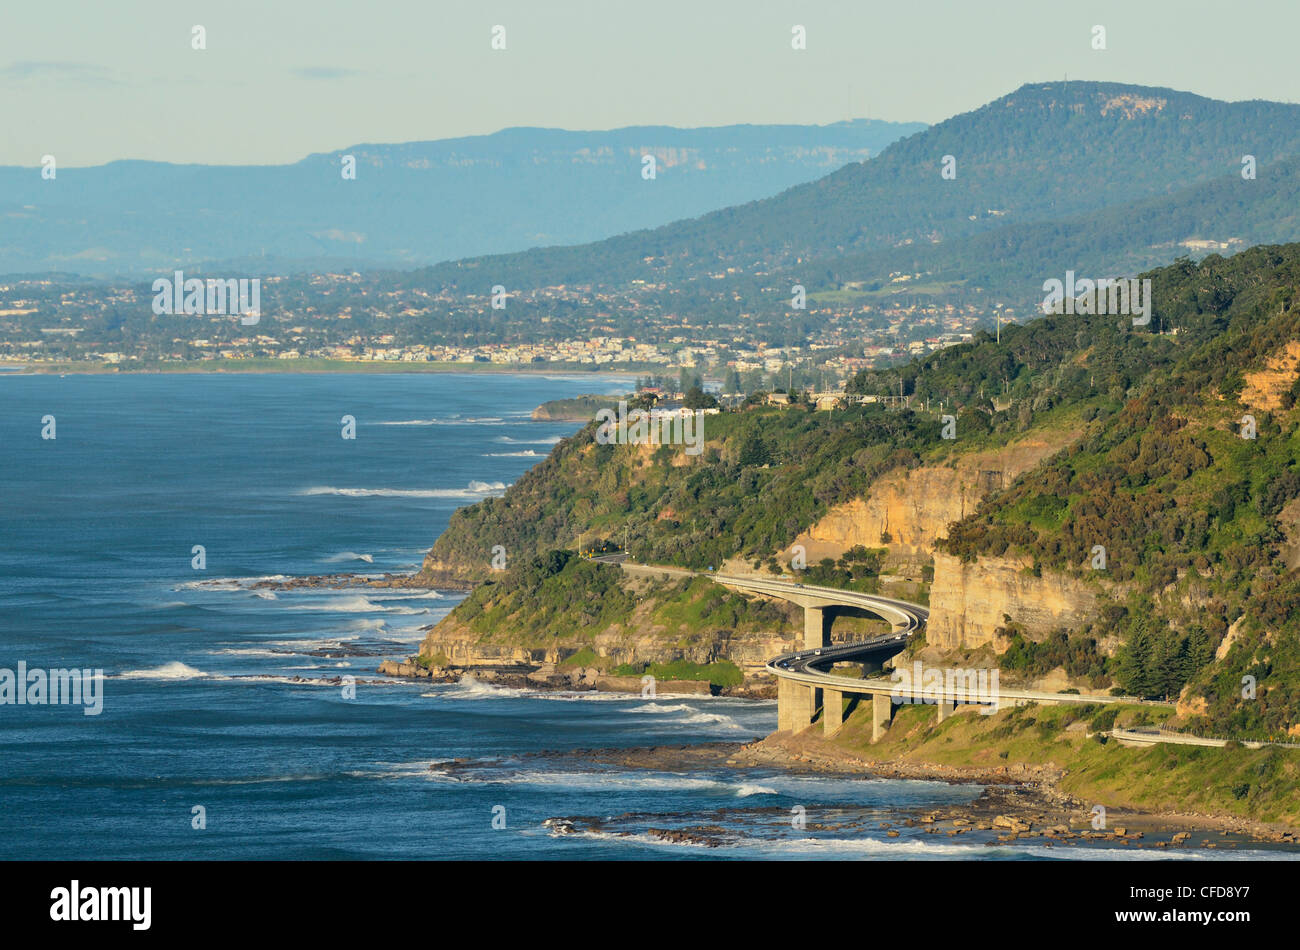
column 224, row 732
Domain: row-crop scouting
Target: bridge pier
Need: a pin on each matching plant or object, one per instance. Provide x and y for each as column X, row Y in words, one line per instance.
column 796, row 704
column 882, row 709
column 815, row 627
column 832, row 711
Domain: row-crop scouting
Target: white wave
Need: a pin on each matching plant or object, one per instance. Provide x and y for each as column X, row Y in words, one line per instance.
column 453, row 421
column 354, row 604
column 370, row 623
column 476, row 489
column 526, row 453
column 175, row 670
column 467, row 687
column 328, row 682
column 260, row 781
column 349, row 556
column 746, row 790
column 583, row 781
column 247, row 651
column 308, row 643
column 553, row 440
column 659, row 708
column 639, row 838
column 713, row 719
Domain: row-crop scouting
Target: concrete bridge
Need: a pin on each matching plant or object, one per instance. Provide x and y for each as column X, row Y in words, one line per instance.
column 806, row 688
column 820, row 603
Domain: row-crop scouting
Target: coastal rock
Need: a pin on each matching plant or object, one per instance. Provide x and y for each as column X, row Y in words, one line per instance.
column 914, row 507
column 969, row 601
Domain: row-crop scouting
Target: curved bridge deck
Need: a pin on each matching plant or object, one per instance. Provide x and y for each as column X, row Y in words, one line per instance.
column 805, row 687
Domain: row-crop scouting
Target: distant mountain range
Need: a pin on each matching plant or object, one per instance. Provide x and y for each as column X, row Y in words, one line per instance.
column 1050, row 177
column 411, row 204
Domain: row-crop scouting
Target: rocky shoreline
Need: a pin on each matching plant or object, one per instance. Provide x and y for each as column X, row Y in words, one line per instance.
column 1017, row 806
column 1043, row 803
column 549, row 676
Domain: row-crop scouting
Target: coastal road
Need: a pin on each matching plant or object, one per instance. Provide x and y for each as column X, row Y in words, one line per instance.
column 1141, row 737
column 810, row 666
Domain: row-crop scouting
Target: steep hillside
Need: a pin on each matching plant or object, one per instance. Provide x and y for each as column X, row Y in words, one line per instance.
column 1118, row 438
column 1046, row 152
column 1189, row 488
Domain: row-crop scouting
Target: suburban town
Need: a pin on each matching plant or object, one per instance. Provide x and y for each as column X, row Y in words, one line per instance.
column 346, row 318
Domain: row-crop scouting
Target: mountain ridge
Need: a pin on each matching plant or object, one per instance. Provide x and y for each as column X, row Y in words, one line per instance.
column 410, row 203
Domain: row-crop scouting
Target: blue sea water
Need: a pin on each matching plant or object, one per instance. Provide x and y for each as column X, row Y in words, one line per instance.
column 223, row 698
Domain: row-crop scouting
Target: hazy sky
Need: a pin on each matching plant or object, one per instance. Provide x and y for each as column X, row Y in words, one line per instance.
column 90, row 82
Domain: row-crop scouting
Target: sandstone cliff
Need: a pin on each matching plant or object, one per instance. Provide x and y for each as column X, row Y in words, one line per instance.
column 642, row 640
column 968, row 601
column 914, row 508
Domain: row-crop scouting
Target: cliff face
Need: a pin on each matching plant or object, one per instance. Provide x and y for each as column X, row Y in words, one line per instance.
column 650, row 644
column 640, row 640
column 435, row 572
column 914, row 508
column 969, row 601
column 1264, row 387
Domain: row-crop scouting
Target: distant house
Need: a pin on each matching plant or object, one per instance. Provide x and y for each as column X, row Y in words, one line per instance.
column 778, row 399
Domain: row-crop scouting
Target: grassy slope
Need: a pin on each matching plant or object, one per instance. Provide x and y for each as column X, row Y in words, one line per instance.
column 562, row 599
column 1259, row 784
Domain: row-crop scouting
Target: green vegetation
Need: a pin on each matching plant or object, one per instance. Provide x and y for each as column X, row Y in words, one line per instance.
column 1260, row 784
column 1191, row 516
column 1186, row 509
column 1078, row 656
column 696, row 511
column 560, row 598
column 583, row 658
column 1132, row 183
column 857, row 569
column 580, row 408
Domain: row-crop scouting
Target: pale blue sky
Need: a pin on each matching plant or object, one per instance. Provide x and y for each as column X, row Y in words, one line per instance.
column 90, row 82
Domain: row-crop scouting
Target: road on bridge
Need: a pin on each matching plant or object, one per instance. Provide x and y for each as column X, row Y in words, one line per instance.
column 810, row 666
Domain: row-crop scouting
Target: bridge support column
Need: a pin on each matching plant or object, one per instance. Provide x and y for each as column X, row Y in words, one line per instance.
column 882, row 708
column 832, row 711
column 946, row 707
column 814, row 627
column 796, row 704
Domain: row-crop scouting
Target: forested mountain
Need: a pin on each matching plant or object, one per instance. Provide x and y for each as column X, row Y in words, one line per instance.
column 1054, row 174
